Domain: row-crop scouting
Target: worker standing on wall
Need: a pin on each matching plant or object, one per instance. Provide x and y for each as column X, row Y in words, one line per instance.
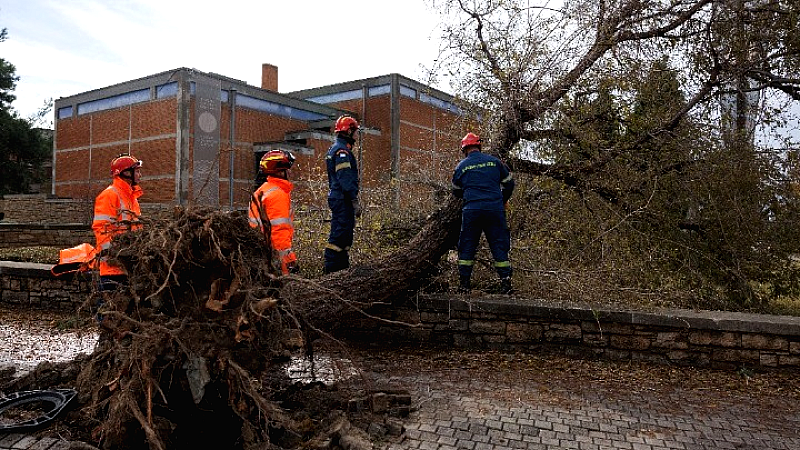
column 272, row 202
column 485, row 184
column 343, row 194
column 116, row 211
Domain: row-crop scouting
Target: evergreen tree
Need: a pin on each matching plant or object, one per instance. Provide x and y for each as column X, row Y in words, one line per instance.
column 8, row 78
column 23, row 149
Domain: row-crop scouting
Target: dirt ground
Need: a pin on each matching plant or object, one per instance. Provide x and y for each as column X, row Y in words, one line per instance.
column 554, row 373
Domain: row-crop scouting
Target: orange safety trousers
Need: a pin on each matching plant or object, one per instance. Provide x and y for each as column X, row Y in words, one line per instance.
column 116, row 211
column 272, row 201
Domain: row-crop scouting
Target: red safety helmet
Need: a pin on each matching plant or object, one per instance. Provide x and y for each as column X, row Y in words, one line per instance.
column 276, row 161
column 123, row 163
column 345, row 123
column 469, row 140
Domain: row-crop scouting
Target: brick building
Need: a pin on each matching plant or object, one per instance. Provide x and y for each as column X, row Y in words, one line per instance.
column 200, row 135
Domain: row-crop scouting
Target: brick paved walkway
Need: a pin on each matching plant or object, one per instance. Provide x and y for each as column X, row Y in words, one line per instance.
column 505, row 409
column 502, row 402
column 483, row 420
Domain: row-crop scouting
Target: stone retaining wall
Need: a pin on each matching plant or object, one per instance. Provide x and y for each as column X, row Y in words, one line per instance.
column 32, row 285
column 40, row 220
column 65, row 235
column 43, row 209
column 681, row 337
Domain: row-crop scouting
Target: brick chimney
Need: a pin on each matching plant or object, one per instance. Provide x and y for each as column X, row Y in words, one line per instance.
column 269, row 77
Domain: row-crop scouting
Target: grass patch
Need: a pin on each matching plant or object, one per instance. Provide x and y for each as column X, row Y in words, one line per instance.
column 42, row 254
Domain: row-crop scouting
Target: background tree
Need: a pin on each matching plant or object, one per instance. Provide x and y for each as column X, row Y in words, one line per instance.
column 643, row 114
column 23, row 149
column 8, row 78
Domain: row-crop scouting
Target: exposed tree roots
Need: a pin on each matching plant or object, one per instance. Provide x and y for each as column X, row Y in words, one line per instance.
column 192, row 354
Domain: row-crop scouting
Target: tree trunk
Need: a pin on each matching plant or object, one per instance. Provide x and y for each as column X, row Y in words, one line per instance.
column 383, row 279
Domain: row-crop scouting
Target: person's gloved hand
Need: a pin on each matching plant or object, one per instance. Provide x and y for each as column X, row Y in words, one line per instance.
column 293, row 267
column 357, row 208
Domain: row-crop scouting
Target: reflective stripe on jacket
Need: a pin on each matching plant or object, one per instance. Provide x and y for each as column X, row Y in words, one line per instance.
column 116, row 211
column 274, row 196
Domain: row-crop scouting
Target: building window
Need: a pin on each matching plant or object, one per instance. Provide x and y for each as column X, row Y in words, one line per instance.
column 116, row 101
column 167, row 90
column 439, row 103
column 65, row 112
column 337, row 97
column 380, row 90
column 407, row 92
column 267, row 106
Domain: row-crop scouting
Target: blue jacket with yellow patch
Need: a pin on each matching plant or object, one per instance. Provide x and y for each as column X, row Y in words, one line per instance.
column 483, row 181
column 342, row 170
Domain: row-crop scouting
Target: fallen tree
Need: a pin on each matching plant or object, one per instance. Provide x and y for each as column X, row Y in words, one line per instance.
column 194, row 353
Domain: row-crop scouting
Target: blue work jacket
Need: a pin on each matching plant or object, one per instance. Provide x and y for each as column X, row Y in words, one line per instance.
column 483, row 181
column 342, row 170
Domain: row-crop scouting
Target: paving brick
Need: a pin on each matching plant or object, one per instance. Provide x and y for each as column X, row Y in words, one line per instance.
column 25, row 443
column 560, row 428
column 60, row 445
column 582, row 419
column 43, row 444
column 465, row 444
column 428, row 445
column 9, row 440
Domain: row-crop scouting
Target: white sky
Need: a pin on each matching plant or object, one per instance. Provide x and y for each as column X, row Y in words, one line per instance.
column 64, row 47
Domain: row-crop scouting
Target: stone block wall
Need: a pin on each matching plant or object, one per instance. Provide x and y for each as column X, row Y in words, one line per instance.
column 37, row 220
column 33, row 286
column 678, row 337
column 14, row 235
column 42, row 209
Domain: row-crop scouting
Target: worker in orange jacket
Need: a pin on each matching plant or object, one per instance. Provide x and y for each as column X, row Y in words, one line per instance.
column 116, row 211
column 272, row 202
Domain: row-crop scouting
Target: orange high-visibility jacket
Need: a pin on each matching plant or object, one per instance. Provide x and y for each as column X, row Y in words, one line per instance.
column 274, row 196
column 74, row 259
column 116, row 211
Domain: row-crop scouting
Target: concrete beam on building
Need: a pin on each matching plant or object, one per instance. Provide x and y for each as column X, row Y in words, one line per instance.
column 304, row 136
column 264, row 147
column 226, row 83
column 372, row 82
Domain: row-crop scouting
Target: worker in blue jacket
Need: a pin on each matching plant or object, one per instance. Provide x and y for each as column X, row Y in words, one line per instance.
column 485, row 184
column 343, row 195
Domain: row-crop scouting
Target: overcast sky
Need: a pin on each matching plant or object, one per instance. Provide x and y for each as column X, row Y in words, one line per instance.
column 61, row 48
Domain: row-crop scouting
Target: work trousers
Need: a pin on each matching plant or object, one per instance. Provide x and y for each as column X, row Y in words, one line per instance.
column 493, row 224
column 107, row 285
column 343, row 221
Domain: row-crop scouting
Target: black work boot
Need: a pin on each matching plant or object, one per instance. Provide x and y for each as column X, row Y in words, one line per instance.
column 505, row 286
column 464, row 286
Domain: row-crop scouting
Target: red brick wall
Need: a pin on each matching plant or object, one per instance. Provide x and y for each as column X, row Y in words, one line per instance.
column 429, row 146
column 428, row 139
column 83, row 172
column 376, row 150
column 111, row 125
column 72, row 132
column 155, row 118
column 429, row 150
